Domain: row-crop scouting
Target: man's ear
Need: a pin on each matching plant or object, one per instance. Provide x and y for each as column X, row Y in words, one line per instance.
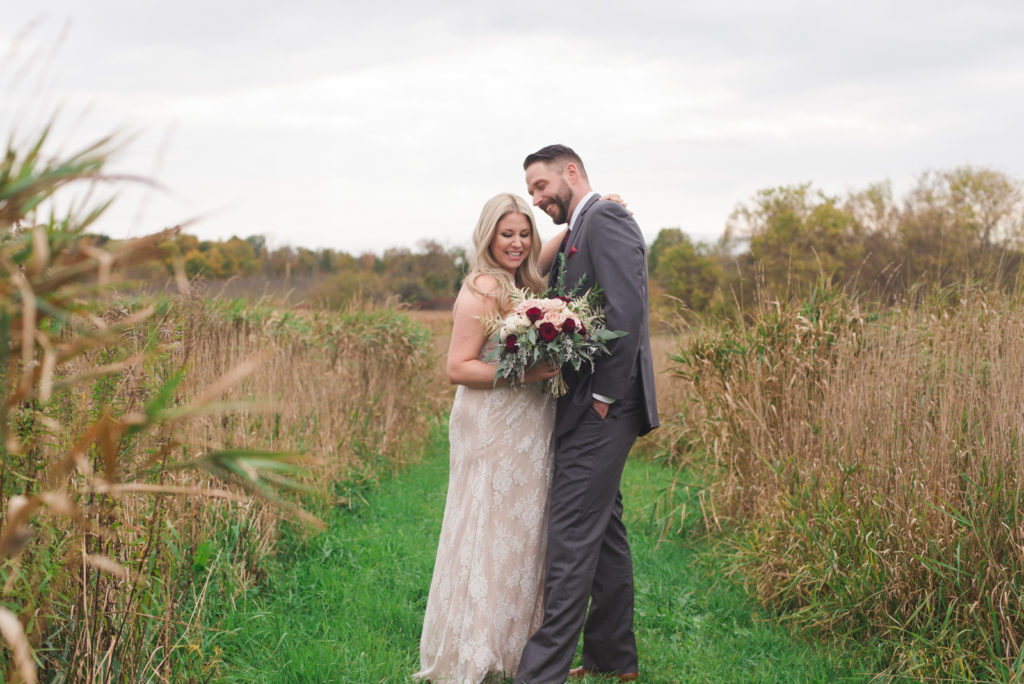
column 571, row 172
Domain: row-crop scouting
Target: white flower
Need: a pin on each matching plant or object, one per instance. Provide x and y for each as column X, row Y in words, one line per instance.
column 514, row 323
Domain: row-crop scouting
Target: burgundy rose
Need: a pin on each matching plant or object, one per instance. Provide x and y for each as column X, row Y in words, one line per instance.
column 547, row 331
column 512, row 344
column 569, row 325
column 534, row 314
column 582, row 331
column 564, row 298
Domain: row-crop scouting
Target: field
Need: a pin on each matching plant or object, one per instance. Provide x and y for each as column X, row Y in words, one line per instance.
column 358, row 615
column 853, row 468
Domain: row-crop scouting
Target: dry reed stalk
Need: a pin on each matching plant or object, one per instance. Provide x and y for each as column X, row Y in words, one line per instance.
column 439, row 324
column 672, row 396
column 350, row 389
column 880, row 476
column 335, row 385
column 96, row 431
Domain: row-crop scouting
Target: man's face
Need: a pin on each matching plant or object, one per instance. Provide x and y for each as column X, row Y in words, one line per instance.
column 550, row 191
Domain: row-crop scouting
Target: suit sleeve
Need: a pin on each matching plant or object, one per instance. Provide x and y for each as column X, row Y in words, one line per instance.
column 618, row 255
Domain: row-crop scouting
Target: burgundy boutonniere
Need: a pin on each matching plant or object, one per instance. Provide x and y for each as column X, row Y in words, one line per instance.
column 572, row 250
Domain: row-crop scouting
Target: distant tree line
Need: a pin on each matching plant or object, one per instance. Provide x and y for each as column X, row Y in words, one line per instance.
column 952, row 226
column 429, row 275
column 966, row 223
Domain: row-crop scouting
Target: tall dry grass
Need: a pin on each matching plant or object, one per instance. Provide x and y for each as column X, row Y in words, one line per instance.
column 672, row 396
column 134, row 434
column 874, row 465
column 116, row 591
column 438, row 323
column 355, row 389
column 64, row 479
column 346, row 389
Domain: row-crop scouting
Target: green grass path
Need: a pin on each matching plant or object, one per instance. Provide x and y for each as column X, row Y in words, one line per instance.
column 346, row 605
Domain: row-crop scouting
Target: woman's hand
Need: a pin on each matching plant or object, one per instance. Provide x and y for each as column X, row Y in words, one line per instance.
column 614, row 197
column 541, row 371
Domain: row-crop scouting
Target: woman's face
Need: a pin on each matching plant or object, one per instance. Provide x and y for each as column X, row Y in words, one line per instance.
column 511, row 242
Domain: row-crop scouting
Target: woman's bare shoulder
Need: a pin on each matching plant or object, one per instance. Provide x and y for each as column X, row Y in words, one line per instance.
column 478, row 296
column 484, row 283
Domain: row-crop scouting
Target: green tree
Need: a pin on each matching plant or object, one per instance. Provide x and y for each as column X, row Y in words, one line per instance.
column 258, row 244
column 205, row 260
column 667, row 237
column 689, row 272
column 963, row 223
column 239, row 258
column 796, row 235
column 429, row 275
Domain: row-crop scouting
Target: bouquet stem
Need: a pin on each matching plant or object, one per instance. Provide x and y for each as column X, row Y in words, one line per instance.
column 556, row 386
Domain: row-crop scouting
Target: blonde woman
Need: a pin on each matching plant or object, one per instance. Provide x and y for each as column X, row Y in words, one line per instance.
column 485, row 596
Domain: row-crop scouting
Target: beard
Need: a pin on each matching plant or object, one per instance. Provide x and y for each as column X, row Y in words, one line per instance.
column 558, row 207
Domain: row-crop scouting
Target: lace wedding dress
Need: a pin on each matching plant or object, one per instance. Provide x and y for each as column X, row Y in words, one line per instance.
column 486, row 596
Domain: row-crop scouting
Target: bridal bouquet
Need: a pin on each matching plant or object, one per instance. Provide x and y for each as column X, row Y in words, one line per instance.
column 558, row 330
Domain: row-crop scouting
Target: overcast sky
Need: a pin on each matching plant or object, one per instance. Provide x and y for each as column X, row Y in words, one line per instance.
column 367, row 125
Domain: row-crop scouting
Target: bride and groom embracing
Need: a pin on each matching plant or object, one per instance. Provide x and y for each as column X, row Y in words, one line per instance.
column 533, row 548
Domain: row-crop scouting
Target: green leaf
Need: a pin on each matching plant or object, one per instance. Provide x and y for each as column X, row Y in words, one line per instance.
column 202, row 555
column 164, row 395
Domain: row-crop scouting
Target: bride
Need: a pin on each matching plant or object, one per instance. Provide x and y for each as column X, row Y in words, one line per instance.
column 486, row 593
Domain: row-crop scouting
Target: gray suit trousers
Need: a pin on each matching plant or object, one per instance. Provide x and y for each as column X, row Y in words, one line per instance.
column 588, row 552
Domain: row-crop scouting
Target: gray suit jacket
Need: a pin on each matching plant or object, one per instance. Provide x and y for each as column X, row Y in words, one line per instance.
column 606, row 249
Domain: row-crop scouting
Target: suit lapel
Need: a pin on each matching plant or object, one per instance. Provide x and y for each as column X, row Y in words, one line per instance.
column 575, row 235
column 576, row 238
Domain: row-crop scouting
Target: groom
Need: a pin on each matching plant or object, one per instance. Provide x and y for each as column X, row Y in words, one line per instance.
column 597, row 422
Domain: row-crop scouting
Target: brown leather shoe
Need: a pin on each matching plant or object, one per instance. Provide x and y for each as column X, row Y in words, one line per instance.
column 580, row 672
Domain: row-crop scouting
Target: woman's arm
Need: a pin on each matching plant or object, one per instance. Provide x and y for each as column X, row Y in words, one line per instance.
column 548, row 252
column 469, row 336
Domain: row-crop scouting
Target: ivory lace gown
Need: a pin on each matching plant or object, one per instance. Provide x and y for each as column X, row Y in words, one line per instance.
column 486, row 596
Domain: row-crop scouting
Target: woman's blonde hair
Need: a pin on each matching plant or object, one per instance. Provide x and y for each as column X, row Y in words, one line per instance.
column 482, row 262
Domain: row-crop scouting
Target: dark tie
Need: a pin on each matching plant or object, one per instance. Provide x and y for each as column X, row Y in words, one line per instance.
column 565, row 241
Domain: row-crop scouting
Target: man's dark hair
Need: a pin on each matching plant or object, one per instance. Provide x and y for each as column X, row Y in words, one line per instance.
column 556, row 154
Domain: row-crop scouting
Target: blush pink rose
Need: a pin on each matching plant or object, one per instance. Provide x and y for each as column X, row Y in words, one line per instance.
column 555, row 318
